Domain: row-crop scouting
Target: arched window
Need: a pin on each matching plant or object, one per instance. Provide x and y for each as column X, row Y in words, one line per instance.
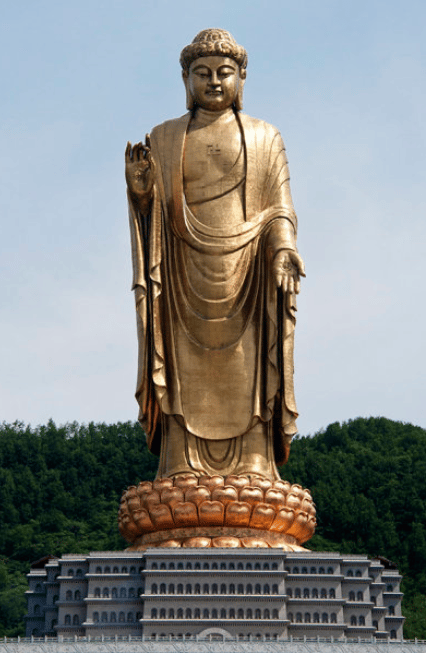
column 188, row 588
column 197, row 613
column 274, row 565
column 315, row 593
column 163, row 588
column 197, row 565
column 163, row 613
column 297, row 593
column 274, row 589
column 163, row 565
column 189, row 565
column 171, row 613
column 321, row 570
column 389, row 588
column 295, row 570
column 375, row 624
column 197, row 588
column 171, row 565
column 107, row 570
column 115, row 570
column 306, row 593
column 129, row 617
column 70, row 572
column 232, row 613
column 171, row 588
column 350, row 573
column 324, row 618
column 67, row 619
column 97, row 592
column 104, row 617
column 249, row 613
column 290, row 616
column 123, row 593
column 98, row 571
column 96, row 617
column 393, row 634
column 353, row 620
column 240, row 589
column 133, row 570
column 290, row 593
column 257, row 614
column 105, row 593
column 124, row 570
column 154, row 588
column 55, row 599
column 307, row 618
column 266, row 614
column 266, row 589
column 132, row 593
column 298, row 617
column 206, row 565
column 206, row 589
column 240, row 613
column 359, row 596
column 391, row 609
column 304, row 570
column 240, row 565
column 361, row 620
column 249, row 589
column 68, row 597
column 266, row 565
column 257, row 565
column 223, row 588
column 113, row 617
column 351, row 596
column 332, row 593
column 188, row 613
column 154, row 613
column 205, row 613
column 275, row 614
column 330, row 570
column 154, row 565
column 214, row 565
column 323, row 593
column 313, row 570
column 179, row 613
column 223, row 613
column 214, row 588
column 358, row 573
column 214, row 613
column 257, row 589
column 373, row 599
column 316, row 617
column 77, row 595
column 122, row 617
column 333, row 618
column 248, row 565
column 231, row 565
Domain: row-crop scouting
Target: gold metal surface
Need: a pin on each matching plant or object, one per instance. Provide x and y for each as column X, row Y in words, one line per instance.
column 216, row 274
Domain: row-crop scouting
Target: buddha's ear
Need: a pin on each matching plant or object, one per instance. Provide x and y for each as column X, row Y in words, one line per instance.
column 239, row 98
column 189, row 98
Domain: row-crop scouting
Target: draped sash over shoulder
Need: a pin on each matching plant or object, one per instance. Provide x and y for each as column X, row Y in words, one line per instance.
column 215, row 337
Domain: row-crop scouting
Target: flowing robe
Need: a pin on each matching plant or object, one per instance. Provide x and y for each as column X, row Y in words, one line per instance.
column 215, row 335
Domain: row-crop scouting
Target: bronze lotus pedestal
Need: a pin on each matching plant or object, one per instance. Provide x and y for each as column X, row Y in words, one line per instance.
column 213, row 511
column 216, row 274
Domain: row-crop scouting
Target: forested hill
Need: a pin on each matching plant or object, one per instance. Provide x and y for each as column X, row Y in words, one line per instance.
column 60, row 488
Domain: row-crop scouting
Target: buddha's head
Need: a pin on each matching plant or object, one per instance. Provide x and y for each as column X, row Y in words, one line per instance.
column 213, row 71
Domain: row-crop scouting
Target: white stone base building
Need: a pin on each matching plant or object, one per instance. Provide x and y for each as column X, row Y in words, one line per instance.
column 241, row 594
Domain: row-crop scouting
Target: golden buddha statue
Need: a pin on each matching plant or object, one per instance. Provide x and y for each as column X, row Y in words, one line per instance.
column 216, row 273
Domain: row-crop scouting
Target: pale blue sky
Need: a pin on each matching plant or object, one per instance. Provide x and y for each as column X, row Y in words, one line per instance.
column 345, row 83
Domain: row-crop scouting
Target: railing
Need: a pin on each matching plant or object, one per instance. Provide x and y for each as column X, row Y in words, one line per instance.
column 210, row 638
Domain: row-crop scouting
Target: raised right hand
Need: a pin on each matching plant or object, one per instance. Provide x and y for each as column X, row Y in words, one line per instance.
column 139, row 168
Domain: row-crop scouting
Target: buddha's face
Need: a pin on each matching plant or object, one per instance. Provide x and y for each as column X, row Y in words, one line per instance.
column 213, row 82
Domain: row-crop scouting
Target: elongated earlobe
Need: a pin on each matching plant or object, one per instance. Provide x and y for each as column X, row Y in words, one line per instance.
column 189, row 98
column 239, row 98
